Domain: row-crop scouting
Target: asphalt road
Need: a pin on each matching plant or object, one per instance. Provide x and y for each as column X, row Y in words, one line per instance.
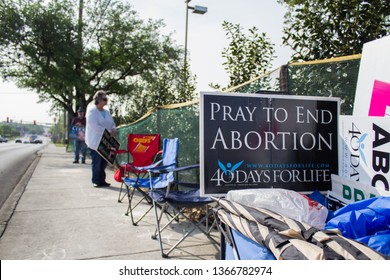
column 15, row 158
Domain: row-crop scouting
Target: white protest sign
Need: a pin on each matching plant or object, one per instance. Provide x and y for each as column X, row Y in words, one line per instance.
column 364, row 151
column 352, row 191
column 372, row 96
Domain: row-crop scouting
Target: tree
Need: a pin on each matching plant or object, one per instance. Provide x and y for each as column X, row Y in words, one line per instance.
column 247, row 56
column 67, row 49
column 8, row 130
column 169, row 84
column 321, row 29
column 18, row 129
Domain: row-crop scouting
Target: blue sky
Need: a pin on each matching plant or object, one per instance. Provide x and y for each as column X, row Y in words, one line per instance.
column 206, row 40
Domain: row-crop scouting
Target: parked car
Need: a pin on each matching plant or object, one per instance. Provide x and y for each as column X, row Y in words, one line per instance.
column 18, row 140
column 2, row 139
column 37, row 141
column 32, row 138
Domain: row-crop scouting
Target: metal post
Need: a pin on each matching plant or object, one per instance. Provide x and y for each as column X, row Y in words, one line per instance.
column 186, row 34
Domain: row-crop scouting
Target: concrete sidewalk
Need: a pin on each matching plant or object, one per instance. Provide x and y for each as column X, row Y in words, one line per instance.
column 61, row 216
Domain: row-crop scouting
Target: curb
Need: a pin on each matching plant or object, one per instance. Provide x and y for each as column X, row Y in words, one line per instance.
column 8, row 208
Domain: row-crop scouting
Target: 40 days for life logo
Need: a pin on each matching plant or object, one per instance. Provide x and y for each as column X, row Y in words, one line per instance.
column 226, row 173
column 254, row 174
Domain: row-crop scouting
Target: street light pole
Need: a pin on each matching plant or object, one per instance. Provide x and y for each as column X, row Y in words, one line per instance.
column 186, row 35
column 196, row 10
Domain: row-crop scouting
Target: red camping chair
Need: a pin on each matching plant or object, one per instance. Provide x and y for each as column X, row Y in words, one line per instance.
column 143, row 149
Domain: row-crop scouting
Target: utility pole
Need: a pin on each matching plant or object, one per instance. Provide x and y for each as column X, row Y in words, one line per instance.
column 196, row 10
column 80, row 47
column 73, row 92
column 186, row 34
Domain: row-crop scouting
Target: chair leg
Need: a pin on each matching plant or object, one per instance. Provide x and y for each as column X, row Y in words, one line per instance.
column 173, row 218
column 131, row 207
column 141, row 217
column 129, row 198
column 159, row 229
column 120, row 192
column 214, row 223
column 197, row 225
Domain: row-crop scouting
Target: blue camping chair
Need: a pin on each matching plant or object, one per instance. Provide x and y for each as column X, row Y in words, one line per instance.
column 177, row 198
column 143, row 185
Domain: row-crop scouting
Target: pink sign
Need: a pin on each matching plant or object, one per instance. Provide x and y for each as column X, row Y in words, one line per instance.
column 380, row 99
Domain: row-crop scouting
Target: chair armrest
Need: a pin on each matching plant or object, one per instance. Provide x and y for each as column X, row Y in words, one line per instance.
column 187, row 185
column 167, row 169
column 161, row 169
column 148, row 167
column 182, row 168
column 129, row 167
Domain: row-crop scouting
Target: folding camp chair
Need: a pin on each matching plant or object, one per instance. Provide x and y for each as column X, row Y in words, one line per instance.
column 142, row 185
column 180, row 201
column 143, row 149
column 237, row 246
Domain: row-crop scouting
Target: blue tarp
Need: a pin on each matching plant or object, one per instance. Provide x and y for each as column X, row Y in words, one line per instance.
column 366, row 221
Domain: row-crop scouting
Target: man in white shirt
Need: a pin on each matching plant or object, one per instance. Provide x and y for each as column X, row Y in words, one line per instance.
column 98, row 119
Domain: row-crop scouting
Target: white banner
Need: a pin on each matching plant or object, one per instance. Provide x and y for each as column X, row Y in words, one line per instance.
column 372, row 96
column 364, row 150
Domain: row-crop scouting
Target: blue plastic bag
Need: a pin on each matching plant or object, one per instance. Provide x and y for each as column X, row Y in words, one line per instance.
column 320, row 198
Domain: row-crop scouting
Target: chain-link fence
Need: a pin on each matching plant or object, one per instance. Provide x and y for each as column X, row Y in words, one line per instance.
column 335, row 77
column 179, row 120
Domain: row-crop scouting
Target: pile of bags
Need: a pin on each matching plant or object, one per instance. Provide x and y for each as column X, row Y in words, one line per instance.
column 295, row 226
